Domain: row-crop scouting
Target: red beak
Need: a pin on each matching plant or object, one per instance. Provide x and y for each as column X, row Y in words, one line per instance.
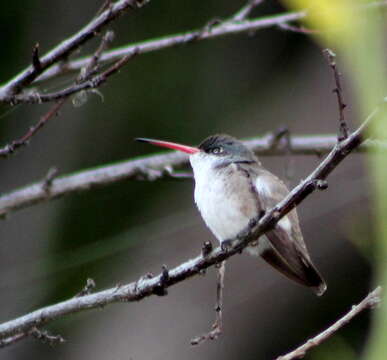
column 170, row 145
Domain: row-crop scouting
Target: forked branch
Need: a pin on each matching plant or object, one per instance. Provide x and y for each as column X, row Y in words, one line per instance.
column 146, row 286
column 161, row 166
column 369, row 302
column 65, row 48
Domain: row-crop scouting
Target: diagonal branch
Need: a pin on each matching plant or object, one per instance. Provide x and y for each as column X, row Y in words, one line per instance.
column 92, row 83
column 151, row 45
column 229, row 27
column 84, row 80
column 369, row 302
column 23, row 141
column 243, row 13
column 12, row 339
column 159, row 166
column 65, row 48
column 146, row 286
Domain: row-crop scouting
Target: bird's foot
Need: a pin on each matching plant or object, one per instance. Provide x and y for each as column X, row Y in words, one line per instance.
column 206, row 248
column 226, row 245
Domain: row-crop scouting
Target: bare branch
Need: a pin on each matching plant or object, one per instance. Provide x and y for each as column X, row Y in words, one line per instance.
column 217, row 326
column 82, row 80
column 331, row 57
column 146, row 286
column 94, row 82
column 160, row 166
column 297, row 29
column 65, row 48
column 147, row 46
column 23, row 141
column 12, row 339
column 88, row 288
column 92, row 67
column 50, row 65
column 372, row 299
column 228, row 27
column 243, row 13
column 45, row 337
column 35, row 58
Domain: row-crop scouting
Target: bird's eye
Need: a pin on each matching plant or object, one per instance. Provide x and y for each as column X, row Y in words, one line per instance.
column 217, row 150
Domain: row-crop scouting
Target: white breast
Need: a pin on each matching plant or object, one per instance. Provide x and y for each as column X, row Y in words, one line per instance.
column 223, row 197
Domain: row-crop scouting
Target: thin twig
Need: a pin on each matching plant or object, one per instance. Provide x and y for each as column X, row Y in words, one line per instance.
column 35, row 57
column 154, row 167
column 147, row 46
column 23, row 141
column 48, row 179
column 65, row 48
column 51, row 65
column 297, row 29
column 95, row 82
column 12, row 339
column 107, row 4
column 88, row 288
column 83, row 77
column 45, row 337
column 222, row 29
column 331, row 57
column 372, row 300
column 283, row 134
column 217, row 326
column 246, row 10
column 145, row 287
column 92, row 67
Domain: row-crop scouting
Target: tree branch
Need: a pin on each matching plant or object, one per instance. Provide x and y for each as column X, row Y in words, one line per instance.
column 331, row 57
column 84, row 80
column 243, row 13
column 229, row 27
column 92, row 83
column 372, row 300
column 12, row 339
column 65, row 48
column 48, row 66
column 146, row 286
column 151, row 45
column 160, row 166
column 23, row 141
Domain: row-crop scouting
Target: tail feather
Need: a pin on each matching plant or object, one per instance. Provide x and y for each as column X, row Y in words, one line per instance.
column 293, row 263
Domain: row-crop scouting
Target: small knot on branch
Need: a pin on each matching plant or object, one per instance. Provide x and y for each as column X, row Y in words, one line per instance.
column 160, row 288
column 48, row 180
column 35, row 58
column 206, row 248
column 207, row 28
column 276, row 137
column 321, row 184
column 141, row 3
column 88, row 288
column 226, row 245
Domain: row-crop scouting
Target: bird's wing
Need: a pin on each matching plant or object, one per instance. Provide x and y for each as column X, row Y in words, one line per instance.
column 287, row 252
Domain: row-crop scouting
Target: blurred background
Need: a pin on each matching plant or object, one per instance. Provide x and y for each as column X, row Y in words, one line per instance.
column 244, row 85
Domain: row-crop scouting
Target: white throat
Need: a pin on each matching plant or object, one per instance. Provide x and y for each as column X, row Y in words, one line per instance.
column 222, row 196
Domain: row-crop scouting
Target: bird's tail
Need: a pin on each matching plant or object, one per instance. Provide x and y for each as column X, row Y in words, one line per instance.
column 293, row 263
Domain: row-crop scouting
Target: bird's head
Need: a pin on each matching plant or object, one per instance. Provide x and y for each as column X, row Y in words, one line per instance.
column 214, row 151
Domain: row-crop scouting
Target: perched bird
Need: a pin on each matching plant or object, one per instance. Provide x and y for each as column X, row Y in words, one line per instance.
column 231, row 188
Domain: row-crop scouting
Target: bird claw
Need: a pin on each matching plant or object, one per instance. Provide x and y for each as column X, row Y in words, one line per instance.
column 226, row 245
column 206, row 248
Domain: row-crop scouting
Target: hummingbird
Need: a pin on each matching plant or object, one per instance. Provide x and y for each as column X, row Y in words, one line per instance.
column 231, row 188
